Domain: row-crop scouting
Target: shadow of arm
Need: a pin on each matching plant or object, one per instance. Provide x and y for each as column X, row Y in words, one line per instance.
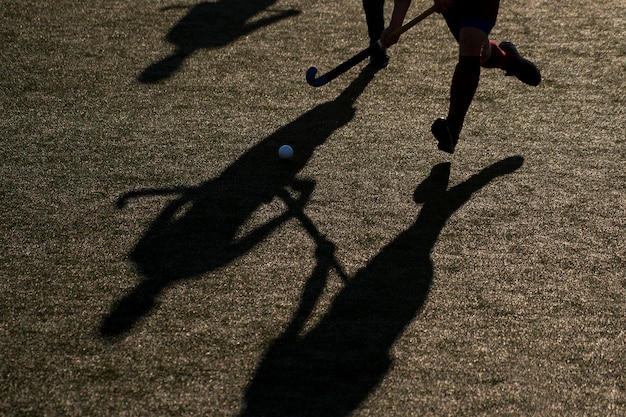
column 150, row 192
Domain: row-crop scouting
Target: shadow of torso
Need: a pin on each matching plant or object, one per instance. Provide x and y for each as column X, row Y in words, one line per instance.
column 330, row 370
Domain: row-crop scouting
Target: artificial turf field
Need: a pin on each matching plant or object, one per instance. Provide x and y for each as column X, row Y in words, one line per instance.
column 159, row 260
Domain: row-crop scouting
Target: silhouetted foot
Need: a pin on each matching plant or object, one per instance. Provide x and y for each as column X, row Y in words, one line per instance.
column 446, row 136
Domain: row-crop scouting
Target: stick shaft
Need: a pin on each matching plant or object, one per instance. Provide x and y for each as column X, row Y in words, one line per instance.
column 414, row 21
column 351, row 62
column 345, row 66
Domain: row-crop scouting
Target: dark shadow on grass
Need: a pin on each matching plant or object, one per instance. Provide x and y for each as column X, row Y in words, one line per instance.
column 330, row 370
column 198, row 231
column 210, row 25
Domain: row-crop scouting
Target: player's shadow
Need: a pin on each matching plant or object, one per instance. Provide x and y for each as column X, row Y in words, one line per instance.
column 197, row 232
column 210, row 25
column 331, row 369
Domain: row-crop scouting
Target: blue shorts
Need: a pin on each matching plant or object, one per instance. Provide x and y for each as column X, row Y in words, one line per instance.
column 479, row 14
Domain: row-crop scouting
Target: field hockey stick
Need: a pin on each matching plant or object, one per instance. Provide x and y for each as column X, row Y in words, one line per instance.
column 345, row 66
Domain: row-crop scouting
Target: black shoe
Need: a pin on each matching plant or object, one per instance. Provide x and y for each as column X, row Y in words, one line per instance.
column 446, row 136
column 522, row 69
column 379, row 58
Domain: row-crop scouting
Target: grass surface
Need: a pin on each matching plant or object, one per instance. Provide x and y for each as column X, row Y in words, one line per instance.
column 157, row 258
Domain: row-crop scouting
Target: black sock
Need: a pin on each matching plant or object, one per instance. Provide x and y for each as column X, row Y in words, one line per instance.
column 462, row 89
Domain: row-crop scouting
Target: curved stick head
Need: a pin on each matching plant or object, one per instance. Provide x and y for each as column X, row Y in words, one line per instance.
column 315, row 82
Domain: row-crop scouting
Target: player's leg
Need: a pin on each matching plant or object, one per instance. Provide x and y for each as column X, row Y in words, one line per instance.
column 470, row 24
column 375, row 19
column 505, row 56
column 466, row 75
